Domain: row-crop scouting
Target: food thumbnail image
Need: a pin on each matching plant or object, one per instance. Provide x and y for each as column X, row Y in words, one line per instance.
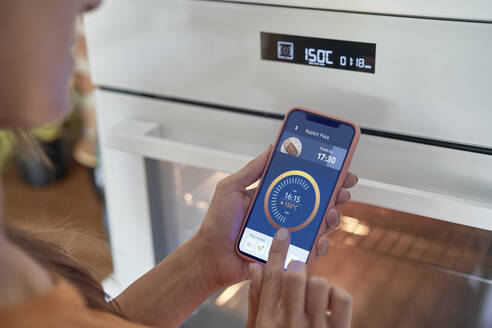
column 291, row 146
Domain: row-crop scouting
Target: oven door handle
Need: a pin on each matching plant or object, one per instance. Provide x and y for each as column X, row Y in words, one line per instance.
column 145, row 138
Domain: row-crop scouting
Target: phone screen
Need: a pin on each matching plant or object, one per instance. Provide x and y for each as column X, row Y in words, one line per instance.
column 298, row 185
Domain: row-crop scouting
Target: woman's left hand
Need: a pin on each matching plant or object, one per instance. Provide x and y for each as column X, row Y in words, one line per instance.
column 224, row 217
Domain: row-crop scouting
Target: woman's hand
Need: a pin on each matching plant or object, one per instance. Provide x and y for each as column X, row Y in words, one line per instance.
column 208, row 261
column 227, row 210
column 290, row 299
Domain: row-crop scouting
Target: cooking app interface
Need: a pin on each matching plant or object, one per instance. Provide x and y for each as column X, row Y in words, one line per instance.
column 297, row 186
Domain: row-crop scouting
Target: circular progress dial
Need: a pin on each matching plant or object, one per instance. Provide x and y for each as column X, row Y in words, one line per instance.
column 292, row 200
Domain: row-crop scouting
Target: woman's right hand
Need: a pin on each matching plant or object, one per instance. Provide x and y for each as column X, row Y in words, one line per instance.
column 290, row 298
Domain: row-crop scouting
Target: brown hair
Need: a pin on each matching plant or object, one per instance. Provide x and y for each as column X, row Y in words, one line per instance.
column 50, row 255
column 57, row 260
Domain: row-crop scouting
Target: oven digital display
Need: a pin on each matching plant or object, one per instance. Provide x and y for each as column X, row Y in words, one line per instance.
column 347, row 55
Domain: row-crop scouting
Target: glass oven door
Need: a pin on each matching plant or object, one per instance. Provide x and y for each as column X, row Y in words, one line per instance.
column 399, row 251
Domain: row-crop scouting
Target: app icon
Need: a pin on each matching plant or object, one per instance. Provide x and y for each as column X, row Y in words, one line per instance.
column 260, row 248
column 285, row 50
column 250, row 244
column 291, row 146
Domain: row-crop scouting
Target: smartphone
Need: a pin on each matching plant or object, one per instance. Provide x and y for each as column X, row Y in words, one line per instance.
column 304, row 173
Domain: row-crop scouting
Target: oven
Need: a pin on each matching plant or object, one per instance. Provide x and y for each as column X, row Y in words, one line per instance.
column 189, row 91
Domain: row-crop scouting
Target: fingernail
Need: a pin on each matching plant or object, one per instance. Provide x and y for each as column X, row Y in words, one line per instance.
column 250, row 271
column 282, row 234
column 252, row 266
column 339, row 216
column 339, row 219
column 296, row 266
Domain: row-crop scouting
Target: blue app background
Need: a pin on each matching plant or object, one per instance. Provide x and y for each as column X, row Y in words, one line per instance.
column 336, row 139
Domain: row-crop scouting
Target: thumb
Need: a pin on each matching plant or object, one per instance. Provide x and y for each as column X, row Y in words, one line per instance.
column 252, row 171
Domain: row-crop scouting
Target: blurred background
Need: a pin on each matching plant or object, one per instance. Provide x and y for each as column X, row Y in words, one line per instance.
column 184, row 94
column 59, row 197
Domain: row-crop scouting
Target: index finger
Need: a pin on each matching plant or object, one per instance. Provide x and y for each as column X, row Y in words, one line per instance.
column 272, row 275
